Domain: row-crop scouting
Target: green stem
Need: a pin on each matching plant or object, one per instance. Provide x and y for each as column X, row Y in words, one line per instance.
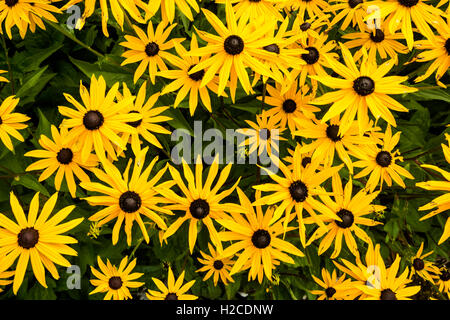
column 73, row 38
column 10, row 71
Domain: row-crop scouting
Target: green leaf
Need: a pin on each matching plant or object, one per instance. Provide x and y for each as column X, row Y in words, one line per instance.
column 430, row 94
column 31, row 182
column 30, row 82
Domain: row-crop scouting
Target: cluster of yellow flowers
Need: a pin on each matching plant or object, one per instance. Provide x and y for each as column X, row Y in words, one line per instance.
column 255, row 41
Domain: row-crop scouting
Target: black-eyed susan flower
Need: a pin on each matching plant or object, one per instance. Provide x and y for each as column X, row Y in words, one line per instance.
column 36, row 238
column 236, row 48
column 116, row 282
column 118, row 8
column 293, row 104
column 149, row 49
column 437, row 50
column 215, row 266
column 317, row 57
column 188, row 83
column 377, row 42
column 308, row 28
column 3, row 79
column 264, row 135
column 362, row 89
column 256, row 234
column 442, row 280
column 309, row 8
column 403, row 13
column 11, row 121
column 168, row 8
column 151, row 116
column 333, row 288
column 63, row 157
column 327, row 141
column 286, row 55
column 352, row 211
column 305, row 158
column 297, row 191
column 251, row 10
column 199, row 201
column 441, row 203
column 423, row 268
column 4, row 276
column 25, row 14
column 127, row 197
column 98, row 120
column 380, row 162
column 351, row 11
column 389, row 286
column 175, row 289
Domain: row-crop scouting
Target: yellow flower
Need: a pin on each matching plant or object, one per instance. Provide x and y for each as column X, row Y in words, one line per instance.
column 257, row 234
column 251, row 10
column 63, row 157
column 352, row 11
column 150, row 48
column 97, row 123
column 127, row 198
column 11, row 122
column 310, row 7
column 441, row 203
column 236, row 47
column 437, row 49
column 36, row 238
column 334, row 288
column 3, row 79
column 421, row 267
column 175, row 290
column 363, row 89
column 379, row 162
column 216, row 266
column 168, row 8
column 4, row 276
column 150, row 117
column 115, row 281
column 351, row 210
column 25, row 14
column 199, row 201
column 297, row 190
column 186, row 83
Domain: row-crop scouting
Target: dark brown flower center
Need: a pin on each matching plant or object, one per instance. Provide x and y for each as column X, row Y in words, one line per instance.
column 330, row 291
column 333, row 133
column 199, row 209
column 289, row 105
column 218, row 264
column 93, row 120
column 130, row 202
column 306, row 161
column 354, row 3
column 378, row 37
column 171, row 296
column 305, row 26
column 272, row 48
column 233, row 45
column 312, row 56
column 196, row 76
column 383, row 158
column 418, row 264
column 444, row 276
column 261, row 239
column 115, row 283
column 151, row 49
column 64, row 156
column 447, row 47
column 363, row 86
column 136, row 123
column 11, row 3
column 408, row 3
column 28, row 238
column 1, row 121
column 264, row 134
column 388, row 294
column 346, row 217
column 298, row 191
